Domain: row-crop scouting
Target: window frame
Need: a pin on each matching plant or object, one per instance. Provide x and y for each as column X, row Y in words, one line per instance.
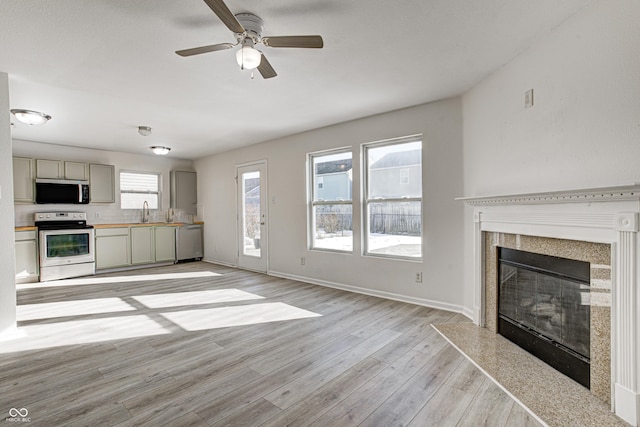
column 366, row 200
column 312, row 188
column 158, row 193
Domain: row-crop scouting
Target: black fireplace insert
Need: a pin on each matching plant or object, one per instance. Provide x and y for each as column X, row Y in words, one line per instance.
column 544, row 307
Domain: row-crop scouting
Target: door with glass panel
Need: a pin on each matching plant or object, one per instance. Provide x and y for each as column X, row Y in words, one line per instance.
column 252, row 216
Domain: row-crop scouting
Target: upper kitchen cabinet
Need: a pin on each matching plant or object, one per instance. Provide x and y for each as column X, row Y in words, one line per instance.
column 184, row 191
column 76, row 170
column 102, row 183
column 23, row 175
column 58, row 169
column 49, row 169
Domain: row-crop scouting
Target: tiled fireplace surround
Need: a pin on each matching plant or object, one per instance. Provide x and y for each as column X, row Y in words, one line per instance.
column 600, row 226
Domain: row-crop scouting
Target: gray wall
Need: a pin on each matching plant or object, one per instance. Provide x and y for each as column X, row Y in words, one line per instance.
column 441, row 125
column 583, row 130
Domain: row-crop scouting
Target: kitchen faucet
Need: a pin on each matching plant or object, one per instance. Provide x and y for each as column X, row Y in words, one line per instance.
column 145, row 212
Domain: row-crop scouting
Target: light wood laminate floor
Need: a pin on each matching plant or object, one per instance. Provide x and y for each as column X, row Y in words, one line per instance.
column 199, row 344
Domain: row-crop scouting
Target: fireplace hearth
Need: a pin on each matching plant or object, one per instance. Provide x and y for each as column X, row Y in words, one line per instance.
column 544, row 307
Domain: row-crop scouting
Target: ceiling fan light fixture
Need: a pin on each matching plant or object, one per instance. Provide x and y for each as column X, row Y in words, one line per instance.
column 248, row 58
column 160, row 150
column 31, row 117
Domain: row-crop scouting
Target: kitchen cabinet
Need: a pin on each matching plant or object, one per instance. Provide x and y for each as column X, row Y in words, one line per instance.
column 134, row 245
column 151, row 244
column 184, row 191
column 76, row 170
column 53, row 169
column 102, row 183
column 112, row 247
column 165, row 243
column 58, row 169
column 142, row 245
column 23, row 178
column 26, row 248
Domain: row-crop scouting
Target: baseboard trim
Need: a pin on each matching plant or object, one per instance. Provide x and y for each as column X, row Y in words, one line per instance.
column 356, row 289
column 374, row 293
column 214, row 261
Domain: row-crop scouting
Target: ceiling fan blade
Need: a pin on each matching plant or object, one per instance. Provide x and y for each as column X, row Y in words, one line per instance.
column 294, row 41
column 225, row 15
column 204, row 49
column 265, row 68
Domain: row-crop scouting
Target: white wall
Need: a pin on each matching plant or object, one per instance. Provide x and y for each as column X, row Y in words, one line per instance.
column 441, row 125
column 109, row 213
column 7, row 254
column 584, row 128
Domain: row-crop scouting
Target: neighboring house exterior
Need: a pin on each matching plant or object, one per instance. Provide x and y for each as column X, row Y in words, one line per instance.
column 402, row 167
column 333, row 180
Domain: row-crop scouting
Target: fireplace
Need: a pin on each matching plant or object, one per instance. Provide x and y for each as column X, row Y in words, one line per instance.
column 600, row 226
column 544, row 307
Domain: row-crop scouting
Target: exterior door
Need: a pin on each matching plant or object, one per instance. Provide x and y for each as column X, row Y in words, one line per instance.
column 252, row 216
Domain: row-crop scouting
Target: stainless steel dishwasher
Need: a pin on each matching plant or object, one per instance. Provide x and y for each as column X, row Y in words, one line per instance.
column 189, row 242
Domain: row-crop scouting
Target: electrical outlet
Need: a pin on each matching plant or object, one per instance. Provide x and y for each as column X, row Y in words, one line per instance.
column 418, row 277
column 97, row 214
column 302, row 260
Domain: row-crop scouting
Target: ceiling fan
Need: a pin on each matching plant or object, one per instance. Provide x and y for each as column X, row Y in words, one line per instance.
column 247, row 28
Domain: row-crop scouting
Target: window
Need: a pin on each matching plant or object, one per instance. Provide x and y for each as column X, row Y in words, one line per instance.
column 393, row 198
column 138, row 187
column 330, row 204
column 404, row 176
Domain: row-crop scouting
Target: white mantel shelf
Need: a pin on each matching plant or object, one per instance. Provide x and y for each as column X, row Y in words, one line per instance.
column 605, row 215
column 603, row 194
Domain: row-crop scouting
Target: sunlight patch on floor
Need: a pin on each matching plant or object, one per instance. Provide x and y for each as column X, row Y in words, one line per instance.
column 177, row 299
column 48, row 310
column 223, row 317
column 118, row 279
column 83, row 332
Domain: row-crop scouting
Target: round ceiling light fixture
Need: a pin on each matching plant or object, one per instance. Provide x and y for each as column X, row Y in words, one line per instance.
column 248, row 58
column 31, row 117
column 144, row 130
column 160, row 150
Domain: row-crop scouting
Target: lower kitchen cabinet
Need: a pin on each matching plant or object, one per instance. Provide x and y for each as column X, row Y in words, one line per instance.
column 26, row 256
column 112, row 247
column 165, row 243
column 135, row 245
column 142, row 245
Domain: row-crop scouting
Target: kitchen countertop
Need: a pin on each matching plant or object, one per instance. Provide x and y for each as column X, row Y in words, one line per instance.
column 145, row 224
column 132, row 224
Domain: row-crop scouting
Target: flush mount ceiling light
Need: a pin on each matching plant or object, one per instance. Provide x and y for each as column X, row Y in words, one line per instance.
column 31, row 117
column 160, row 150
column 144, row 130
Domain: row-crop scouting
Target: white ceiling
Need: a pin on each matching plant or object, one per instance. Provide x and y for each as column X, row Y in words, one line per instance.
column 101, row 68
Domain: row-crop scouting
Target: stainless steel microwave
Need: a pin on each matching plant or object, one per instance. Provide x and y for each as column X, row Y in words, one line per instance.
column 60, row 191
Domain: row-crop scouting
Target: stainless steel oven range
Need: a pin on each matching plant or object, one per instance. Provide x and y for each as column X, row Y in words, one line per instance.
column 66, row 245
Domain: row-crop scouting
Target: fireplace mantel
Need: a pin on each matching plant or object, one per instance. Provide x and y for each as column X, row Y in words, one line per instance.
column 602, row 215
column 602, row 194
